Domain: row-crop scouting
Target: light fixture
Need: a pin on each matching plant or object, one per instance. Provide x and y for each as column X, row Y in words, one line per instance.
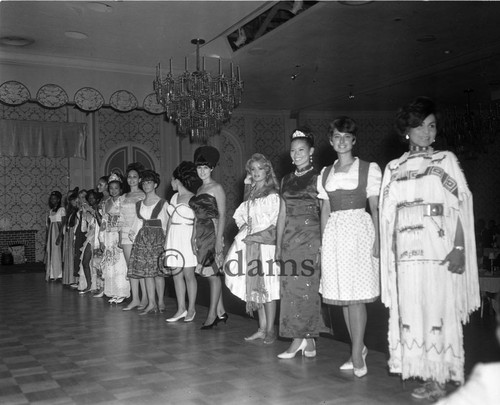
column 16, row 41
column 198, row 103
column 470, row 131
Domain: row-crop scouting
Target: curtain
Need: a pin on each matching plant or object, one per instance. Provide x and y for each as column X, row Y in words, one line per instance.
column 49, row 139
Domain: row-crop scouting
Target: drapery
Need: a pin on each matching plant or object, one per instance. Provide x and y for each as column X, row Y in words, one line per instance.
column 37, row 138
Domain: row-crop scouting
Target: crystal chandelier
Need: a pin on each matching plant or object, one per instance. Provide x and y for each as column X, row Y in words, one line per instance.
column 198, row 102
column 471, row 131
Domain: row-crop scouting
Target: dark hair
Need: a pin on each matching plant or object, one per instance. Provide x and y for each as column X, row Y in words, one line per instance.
column 271, row 184
column 149, row 175
column 413, row 114
column 105, row 178
column 115, row 177
column 206, row 156
column 187, row 175
column 305, row 134
column 98, row 196
column 56, row 206
column 343, row 124
column 136, row 166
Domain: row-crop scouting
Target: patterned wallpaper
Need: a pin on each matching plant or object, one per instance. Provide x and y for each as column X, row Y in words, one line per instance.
column 135, row 126
column 26, row 183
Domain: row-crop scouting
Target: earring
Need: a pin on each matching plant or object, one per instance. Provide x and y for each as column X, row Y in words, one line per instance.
column 310, row 159
column 407, row 136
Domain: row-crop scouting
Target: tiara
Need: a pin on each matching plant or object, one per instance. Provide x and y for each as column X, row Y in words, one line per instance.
column 114, row 177
column 299, row 134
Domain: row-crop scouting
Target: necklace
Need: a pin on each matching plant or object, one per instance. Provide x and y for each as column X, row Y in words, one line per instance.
column 416, row 148
column 301, row 172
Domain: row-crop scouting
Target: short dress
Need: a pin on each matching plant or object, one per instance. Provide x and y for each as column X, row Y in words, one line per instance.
column 149, row 228
column 253, row 217
column 53, row 265
column 206, row 210
column 349, row 272
column 179, row 249
column 128, row 214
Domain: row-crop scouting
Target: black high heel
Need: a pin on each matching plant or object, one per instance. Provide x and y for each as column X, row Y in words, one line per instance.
column 223, row 318
column 210, row 326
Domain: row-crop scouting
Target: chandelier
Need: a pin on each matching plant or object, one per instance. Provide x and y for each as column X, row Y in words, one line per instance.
column 198, row 103
column 470, row 131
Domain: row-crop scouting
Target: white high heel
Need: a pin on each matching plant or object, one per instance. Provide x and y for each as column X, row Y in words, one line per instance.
column 361, row 372
column 310, row 353
column 348, row 364
column 177, row 318
column 287, row 355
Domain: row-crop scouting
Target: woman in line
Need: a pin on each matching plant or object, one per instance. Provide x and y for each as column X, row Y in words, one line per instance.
column 54, row 237
column 180, row 257
column 128, row 215
column 350, row 248
column 297, row 246
column 69, row 239
column 209, row 206
column 428, row 255
column 102, row 187
column 251, row 272
column 91, row 245
column 148, row 237
column 113, row 264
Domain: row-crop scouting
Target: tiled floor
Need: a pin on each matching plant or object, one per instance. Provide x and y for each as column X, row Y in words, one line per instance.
column 57, row 347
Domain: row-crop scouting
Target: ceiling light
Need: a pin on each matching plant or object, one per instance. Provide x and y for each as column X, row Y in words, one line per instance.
column 198, row 102
column 16, row 41
column 76, row 35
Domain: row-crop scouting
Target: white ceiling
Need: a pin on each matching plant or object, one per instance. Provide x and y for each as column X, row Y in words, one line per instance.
column 371, row 50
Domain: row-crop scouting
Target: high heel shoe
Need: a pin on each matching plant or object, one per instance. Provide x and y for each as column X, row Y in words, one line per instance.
column 112, row 300
column 130, row 307
column 211, row 325
column 270, row 338
column 145, row 312
column 311, row 353
column 177, row 318
column 223, row 318
column 260, row 334
column 191, row 318
column 161, row 309
column 348, row 364
column 119, row 300
column 287, row 355
column 361, row 372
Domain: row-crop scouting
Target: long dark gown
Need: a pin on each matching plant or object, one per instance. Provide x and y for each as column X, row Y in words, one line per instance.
column 300, row 313
column 205, row 208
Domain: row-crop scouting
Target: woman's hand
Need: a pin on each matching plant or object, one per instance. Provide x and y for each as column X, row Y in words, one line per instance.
column 101, row 246
column 58, row 240
column 456, row 260
column 131, row 236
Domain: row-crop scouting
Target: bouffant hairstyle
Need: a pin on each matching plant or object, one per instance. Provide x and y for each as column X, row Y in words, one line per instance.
column 305, row 134
column 136, row 166
column 187, row 175
column 413, row 114
column 343, row 124
column 206, row 156
column 149, row 175
column 271, row 184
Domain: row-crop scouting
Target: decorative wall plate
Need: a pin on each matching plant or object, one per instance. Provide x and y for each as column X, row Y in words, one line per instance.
column 14, row 93
column 52, row 96
column 151, row 105
column 123, row 100
column 88, row 99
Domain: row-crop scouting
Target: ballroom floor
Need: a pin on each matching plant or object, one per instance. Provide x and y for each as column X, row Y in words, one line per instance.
column 57, row 347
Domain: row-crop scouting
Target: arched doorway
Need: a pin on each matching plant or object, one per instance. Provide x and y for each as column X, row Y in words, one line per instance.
column 118, row 159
